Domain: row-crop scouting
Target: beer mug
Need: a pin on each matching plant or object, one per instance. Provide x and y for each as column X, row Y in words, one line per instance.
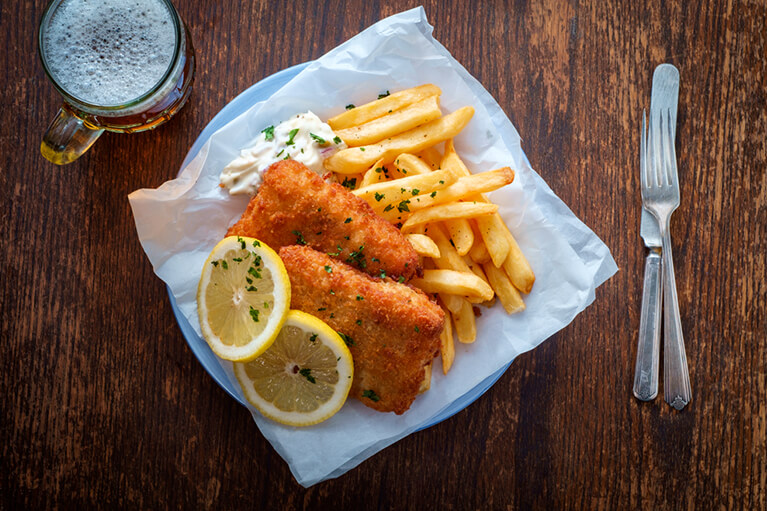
column 120, row 66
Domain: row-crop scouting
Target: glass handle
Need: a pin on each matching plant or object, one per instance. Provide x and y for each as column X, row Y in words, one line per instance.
column 68, row 137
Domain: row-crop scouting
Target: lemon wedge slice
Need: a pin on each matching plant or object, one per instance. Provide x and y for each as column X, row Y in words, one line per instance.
column 305, row 375
column 243, row 298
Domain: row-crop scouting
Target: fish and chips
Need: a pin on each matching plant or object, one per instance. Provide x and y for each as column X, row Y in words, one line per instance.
column 396, row 244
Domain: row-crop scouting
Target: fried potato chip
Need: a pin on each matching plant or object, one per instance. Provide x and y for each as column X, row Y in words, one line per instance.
column 454, row 283
column 423, row 245
column 356, row 159
column 450, row 211
column 392, row 124
column 382, row 106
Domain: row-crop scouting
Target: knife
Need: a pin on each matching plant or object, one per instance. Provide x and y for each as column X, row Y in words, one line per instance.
column 665, row 96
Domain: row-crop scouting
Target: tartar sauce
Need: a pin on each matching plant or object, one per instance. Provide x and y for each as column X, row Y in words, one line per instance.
column 303, row 137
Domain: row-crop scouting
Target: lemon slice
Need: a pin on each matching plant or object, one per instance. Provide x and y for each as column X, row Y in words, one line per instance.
column 243, row 298
column 305, row 375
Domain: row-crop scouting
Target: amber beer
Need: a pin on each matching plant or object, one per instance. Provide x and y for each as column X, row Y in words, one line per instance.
column 121, row 65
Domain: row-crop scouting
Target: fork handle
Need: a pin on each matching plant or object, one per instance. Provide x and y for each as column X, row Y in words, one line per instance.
column 648, row 346
column 676, row 377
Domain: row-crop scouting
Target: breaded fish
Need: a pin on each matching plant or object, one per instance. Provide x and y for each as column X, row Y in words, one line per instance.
column 294, row 206
column 392, row 329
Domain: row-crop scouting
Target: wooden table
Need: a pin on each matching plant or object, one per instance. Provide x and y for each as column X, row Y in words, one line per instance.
column 104, row 405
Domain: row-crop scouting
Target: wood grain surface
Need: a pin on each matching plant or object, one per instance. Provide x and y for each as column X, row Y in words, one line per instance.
column 104, row 405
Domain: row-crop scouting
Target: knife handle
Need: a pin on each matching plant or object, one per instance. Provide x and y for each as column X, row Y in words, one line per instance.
column 676, row 376
column 648, row 347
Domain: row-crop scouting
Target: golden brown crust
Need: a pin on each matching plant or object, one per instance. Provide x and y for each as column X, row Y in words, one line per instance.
column 394, row 328
column 295, row 206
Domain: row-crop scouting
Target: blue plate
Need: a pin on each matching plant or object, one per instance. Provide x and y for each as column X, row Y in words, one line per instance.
column 259, row 92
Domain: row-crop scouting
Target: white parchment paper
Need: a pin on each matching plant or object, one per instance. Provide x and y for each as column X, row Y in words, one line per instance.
column 182, row 220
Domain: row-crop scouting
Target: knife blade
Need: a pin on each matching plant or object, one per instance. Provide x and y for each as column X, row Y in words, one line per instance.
column 665, row 96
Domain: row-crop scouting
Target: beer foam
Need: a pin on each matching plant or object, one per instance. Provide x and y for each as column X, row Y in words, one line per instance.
column 109, row 52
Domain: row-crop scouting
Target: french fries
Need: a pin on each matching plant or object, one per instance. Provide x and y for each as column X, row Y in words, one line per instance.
column 465, row 323
column 402, row 154
column 423, row 245
column 409, row 164
column 449, row 212
column 382, row 194
column 375, row 109
column 466, row 187
column 408, row 118
column 357, row 159
column 461, row 234
column 454, row 283
column 447, row 347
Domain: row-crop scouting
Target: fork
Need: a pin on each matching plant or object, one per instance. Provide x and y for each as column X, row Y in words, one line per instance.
column 660, row 196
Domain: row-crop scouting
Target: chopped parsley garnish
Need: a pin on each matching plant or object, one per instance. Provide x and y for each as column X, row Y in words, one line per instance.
column 360, row 298
column 332, row 292
column 248, row 280
column 237, row 259
column 433, row 194
column 336, row 254
column 351, row 184
column 359, row 322
column 307, row 373
column 357, row 257
column 280, row 153
column 337, row 140
column 388, row 208
column 379, row 196
column 291, row 135
column 319, row 139
column 383, row 273
column 402, row 206
column 254, row 314
column 381, row 96
column 378, row 170
column 415, row 191
column 299, row 238
column 287, row 157
column 224, row 265
column 328, row 269
column 349, row 106
column 256, row 243
column 371, row 395
column 313, row 337
column 242, row 243
column 348, row 220
column 322, row 309
column 346, row 238
column 362, row 148
column 417, row 330
column 251, row 289
column 266, row 305
column 401, row 279
column 441, row 182
column 376, row 260
column 268, row 133
column 348, row 340
column 253, row 271
column 214, row 263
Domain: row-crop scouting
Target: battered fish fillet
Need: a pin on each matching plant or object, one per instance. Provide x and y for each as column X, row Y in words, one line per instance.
column 392, row 329
column 294, row 206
